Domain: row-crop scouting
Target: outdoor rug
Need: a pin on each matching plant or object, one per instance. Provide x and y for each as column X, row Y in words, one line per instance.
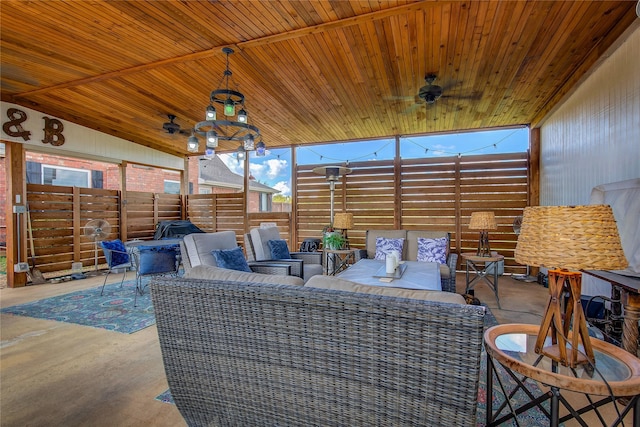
column 532, row 418
column 113, row 310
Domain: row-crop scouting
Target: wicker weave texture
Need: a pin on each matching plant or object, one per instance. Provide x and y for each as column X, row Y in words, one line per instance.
column 239, row 354
column 570, row 237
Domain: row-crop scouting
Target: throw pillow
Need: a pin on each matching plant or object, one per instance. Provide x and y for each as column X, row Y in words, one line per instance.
column 385, row 245
column 120, row 255
column 232, row 259
column 432, row 250
column 279, row 249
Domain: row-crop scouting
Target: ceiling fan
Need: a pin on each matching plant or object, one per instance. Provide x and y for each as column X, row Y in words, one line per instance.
column 171, row 127
column 430, row 93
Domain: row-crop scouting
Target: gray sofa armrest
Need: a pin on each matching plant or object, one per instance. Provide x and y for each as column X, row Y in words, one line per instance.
column 308, row 257
column 360, row 254
column 449, row 284
column 268, row 267
column 296, row 265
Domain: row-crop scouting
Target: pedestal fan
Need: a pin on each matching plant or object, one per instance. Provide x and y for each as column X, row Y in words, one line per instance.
column 98, row 230
column 517, row 223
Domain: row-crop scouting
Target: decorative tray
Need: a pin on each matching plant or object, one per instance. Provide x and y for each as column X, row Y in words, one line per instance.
column 398, row 272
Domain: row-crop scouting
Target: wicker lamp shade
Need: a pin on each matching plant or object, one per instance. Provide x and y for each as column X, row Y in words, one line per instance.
column 343, row 220
column 571, row 237
column 482, row 221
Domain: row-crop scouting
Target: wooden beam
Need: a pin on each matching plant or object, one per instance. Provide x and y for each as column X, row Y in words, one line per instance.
column 534, row 167
column 16, row 194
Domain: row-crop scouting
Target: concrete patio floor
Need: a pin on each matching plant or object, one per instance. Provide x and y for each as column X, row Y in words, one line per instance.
column 61, row 374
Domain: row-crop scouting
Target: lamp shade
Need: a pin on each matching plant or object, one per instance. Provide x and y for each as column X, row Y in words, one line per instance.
column 570, row 237
column 343, row 220
column 482, row 221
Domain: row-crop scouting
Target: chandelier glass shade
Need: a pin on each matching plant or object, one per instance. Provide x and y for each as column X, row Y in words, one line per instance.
column 232, row 127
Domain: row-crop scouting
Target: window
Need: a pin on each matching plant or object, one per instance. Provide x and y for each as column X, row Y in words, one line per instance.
column 265, row 202
column 171, row 187
column 57, row 175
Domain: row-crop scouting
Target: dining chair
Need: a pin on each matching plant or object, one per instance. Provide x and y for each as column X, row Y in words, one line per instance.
column 117, row 257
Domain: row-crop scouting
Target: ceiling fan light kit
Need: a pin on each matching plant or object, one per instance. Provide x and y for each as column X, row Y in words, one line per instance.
column 430, row 93
column 227, row 129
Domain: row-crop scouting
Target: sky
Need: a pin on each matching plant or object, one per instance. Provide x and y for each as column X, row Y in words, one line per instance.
column 274, row 169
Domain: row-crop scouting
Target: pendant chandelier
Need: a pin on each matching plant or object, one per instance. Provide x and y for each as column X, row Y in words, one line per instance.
column 228, row 128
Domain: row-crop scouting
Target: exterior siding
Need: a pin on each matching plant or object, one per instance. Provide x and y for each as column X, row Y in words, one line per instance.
column 594, row 137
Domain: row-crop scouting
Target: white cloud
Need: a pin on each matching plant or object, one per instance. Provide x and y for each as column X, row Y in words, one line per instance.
column 283, row 187
column 442, row 150
column 276, row 167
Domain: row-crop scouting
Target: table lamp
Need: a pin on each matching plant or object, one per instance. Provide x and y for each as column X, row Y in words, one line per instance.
column 344, row 222
column 483, row 221
column 563, row 238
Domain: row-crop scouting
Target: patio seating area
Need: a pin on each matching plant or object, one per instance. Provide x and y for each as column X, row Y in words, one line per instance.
column 107, row 378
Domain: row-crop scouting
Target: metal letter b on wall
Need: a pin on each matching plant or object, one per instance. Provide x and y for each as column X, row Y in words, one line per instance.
column 16, row 117
column 53, row 131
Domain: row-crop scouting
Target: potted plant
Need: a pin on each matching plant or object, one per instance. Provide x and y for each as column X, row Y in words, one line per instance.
column 334, row 240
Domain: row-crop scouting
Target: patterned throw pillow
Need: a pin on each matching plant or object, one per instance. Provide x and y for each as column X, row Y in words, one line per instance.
column 279, row 249
column 120, row 255
column 231, row 259
column 385, row 245
column 433, row 250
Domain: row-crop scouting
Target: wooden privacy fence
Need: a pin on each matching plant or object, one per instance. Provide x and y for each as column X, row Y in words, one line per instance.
column 59, row 215
column 429, row 194
column 426, row 194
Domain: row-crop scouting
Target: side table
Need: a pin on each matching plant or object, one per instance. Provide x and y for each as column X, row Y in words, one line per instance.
column 480, row 266
column 340, row 259
column 616, row 375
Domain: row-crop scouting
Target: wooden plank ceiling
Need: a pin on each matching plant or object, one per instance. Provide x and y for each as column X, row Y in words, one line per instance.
column 312, row 71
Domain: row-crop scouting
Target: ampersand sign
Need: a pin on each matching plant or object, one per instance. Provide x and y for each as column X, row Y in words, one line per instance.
column 53, row 132
column 16, row 117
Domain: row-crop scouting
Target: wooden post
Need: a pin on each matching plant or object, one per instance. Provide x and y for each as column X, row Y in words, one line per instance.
column 293, row 215
column 15, row 196
column 123, row 202
column 397, row 209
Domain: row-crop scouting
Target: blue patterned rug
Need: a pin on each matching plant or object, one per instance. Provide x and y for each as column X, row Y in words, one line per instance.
column 113, row 311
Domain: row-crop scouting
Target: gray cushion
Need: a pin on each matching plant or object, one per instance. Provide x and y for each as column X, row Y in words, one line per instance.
column 216, row 273
column 325, row 282
column 260, row 238
column 200, row 245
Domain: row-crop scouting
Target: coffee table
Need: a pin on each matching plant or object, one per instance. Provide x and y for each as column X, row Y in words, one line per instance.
column 418, row 275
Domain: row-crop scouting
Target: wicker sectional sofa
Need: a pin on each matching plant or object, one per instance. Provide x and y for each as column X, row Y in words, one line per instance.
column 264, row 354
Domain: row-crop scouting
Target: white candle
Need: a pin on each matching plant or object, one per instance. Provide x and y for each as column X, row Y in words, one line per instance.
column 390, row 263
column 396, row 256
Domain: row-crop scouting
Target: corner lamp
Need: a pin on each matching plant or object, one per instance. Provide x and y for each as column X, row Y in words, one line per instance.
column 563, row 238
column 332, row 173
column 483, row 221
column 344, row 222
column 226, row 129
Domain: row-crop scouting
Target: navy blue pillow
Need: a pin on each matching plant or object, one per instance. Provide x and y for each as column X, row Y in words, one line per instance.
column 279, row 249
column 232, row 259
column 117, row 258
